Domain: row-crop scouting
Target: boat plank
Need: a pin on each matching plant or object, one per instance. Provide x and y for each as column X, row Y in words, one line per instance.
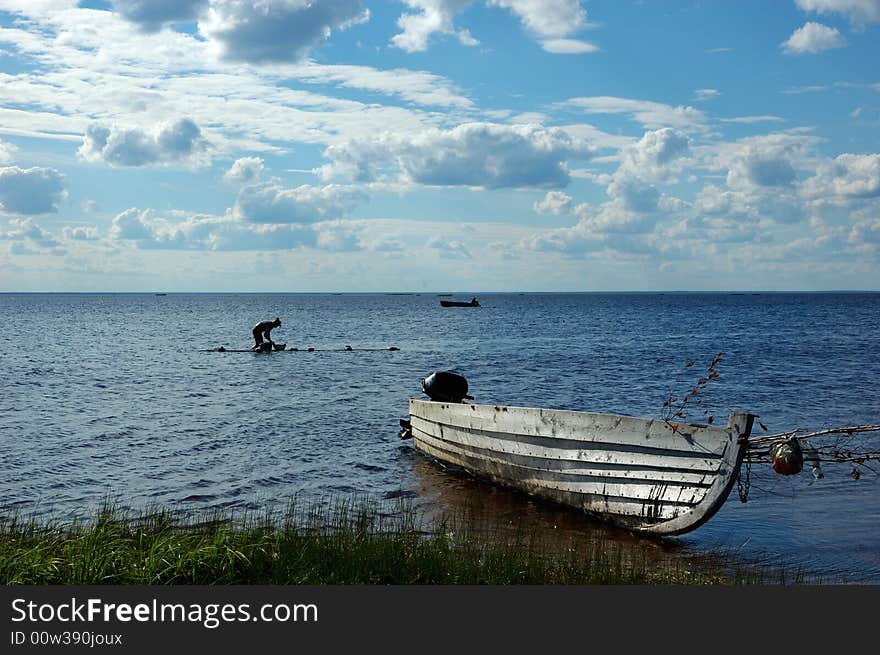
column 578, row 468
column 585, row 454
column 575, row 426
column 635, row 490
column 639, row 513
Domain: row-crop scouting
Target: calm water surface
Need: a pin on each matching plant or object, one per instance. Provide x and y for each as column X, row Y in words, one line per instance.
column 110, row 394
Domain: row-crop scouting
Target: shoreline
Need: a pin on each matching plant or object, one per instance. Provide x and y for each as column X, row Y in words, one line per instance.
column 341, row 542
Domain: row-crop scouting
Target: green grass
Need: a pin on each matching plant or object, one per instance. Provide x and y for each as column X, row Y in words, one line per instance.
column 344, row 542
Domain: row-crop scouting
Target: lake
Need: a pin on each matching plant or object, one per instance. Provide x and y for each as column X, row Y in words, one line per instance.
column 113, row 395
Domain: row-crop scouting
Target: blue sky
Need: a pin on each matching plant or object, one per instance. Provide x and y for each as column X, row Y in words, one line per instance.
column 420, row 145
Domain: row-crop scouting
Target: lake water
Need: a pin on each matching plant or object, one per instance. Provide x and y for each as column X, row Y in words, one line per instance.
column 112, row 395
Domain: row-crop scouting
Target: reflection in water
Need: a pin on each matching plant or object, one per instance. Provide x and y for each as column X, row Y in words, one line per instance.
column 448, row 493
column 509, row 514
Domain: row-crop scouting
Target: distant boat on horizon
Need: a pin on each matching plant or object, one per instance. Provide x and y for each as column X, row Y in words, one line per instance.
column 457, row 303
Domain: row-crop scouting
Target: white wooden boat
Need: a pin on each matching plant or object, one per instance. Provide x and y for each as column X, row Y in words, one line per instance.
column 634, row 472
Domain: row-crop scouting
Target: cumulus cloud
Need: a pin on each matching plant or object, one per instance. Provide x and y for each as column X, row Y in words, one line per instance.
column 339, row 236
column 245, row 170
column 761, row 168
column 556, row 203
column 148, row 231
column 547, row 18
column 633, row 195
column 272, row 203
column 81, row 233
column 6, row 150
column 570, row 241
column 656, row 154
column 178, row 141
column 132, row 225
column 25, row 229
column 550, row 21
column 472, row 154
column 449, row 248
column 31, row 190
column 153, row 15
column 813, row 38
column 847, row 175
column 859, row 12
column 768, row 162
column 275, row 30
column 865, row 232
column 656, row 157
column 430, row 17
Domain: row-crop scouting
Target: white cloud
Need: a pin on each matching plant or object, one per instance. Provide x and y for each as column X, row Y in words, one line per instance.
column 153, row 15
column 651, row 115
column 547, row 18
column 767, row 162
column 748, row 120
column 148, row 231
column 657, row 154
column 26, row 229
column 568, row 46
column 449, row 248
column 473, row 154
column 271, row 203
column 761, row 169
column 418, row 87
column 244, row 170
column 557, row 203
column 859, row 12
column 31, row 190
column 813, row 38
column 847, row 175
column 98, row 68
column 132, row 225
column 706, row 94
column 549, row 21
column 339, row 236
column 865, row 232
column 6, row 150
column 432, row 17
column 815, row 88
column 81, row 233
column 178, row 141
column 275, row 30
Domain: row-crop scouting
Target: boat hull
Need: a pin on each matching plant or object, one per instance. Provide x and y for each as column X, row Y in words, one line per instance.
column 633, row 472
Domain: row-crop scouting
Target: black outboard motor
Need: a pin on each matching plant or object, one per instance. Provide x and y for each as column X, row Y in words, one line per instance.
column 446, row 387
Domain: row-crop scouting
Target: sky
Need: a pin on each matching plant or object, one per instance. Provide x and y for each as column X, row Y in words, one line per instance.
column 439, row 145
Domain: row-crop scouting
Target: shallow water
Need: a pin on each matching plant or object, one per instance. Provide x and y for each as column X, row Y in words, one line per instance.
column 114, row 396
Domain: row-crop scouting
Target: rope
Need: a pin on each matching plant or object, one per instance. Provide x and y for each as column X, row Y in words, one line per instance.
column 743, row 486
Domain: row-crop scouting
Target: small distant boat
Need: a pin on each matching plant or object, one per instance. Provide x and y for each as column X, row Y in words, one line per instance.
column 458, row 303
column 634, row 472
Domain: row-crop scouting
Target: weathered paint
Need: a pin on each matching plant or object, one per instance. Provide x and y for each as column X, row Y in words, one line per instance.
column 632, row 471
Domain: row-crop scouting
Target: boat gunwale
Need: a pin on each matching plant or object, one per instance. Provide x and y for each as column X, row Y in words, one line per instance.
column 577, row 412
